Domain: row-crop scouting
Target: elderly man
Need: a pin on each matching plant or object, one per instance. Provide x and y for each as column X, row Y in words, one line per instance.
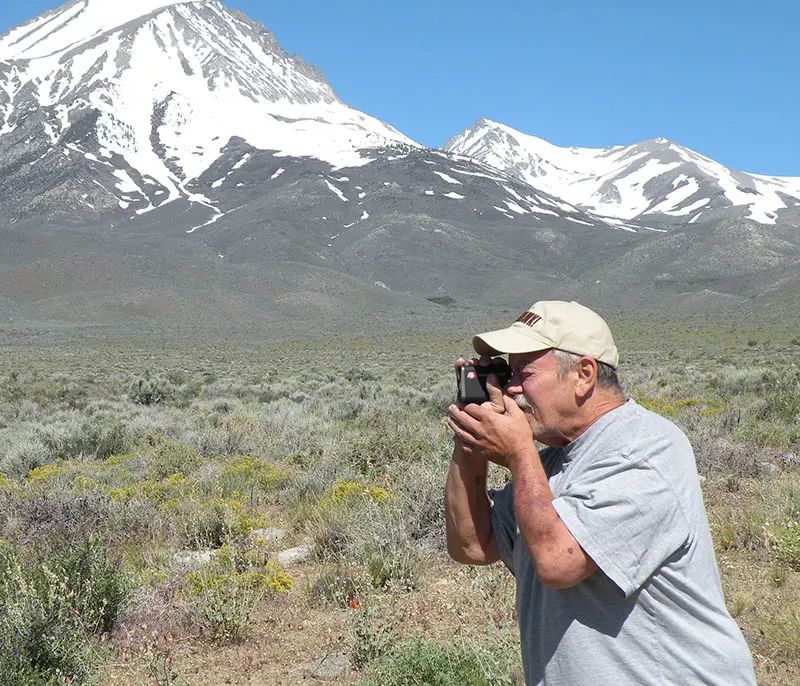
column 605, row 529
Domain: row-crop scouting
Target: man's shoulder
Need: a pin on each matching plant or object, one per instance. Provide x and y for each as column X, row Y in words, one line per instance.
column 646, row 437
column 633, row 432
column 637, row 420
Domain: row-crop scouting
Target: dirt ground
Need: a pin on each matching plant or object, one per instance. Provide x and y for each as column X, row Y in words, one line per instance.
column 294, row 632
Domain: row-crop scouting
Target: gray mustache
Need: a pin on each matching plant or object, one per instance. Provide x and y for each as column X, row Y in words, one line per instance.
column 522, row 403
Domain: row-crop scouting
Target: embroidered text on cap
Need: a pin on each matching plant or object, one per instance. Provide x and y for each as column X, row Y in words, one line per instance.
column 529, row 318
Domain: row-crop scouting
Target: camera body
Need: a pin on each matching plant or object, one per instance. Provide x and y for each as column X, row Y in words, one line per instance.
column 472, row 380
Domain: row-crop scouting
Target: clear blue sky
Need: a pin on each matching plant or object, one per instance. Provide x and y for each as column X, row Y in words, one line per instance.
column 719, row 76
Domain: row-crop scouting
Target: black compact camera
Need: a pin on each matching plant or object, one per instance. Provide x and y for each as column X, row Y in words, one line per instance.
column 472, row 380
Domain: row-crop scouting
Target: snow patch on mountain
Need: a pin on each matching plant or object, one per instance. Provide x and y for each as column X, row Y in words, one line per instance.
column 448, row 178
column 336, row 191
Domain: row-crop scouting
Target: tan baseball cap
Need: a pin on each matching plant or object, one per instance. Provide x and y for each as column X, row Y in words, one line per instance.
column 553, row 324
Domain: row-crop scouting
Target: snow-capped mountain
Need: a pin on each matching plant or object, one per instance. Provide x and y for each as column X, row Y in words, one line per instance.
column 155, row 89
column 655, row 179
column 163, row 158
column 115, row 109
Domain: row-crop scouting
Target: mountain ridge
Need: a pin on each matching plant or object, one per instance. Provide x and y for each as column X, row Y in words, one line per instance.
column 612, row 182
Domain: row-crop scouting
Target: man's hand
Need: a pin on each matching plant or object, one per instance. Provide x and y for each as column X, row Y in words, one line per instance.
column 498, row 435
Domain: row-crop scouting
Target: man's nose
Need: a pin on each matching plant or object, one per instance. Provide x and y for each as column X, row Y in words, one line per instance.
column 514, row 386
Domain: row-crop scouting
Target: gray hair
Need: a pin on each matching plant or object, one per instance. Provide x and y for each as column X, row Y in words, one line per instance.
column 606, row 374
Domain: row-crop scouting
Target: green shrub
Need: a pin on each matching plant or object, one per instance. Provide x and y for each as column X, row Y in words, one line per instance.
column 378, row 439
column 150, row 389
column 206, row 524
column 765, row 434
column 209, row 377
column 781, row 630
column 787, row 542
column 166, row 457
column 356, row 374
column 371, row 632
column 331, row 535
column 269, row 394
column 420, row 499
column 345, row 409
column 348, row 491
column 295, row 433
column 22, row 450
column 64, row 392
column 782, row 396
column 56, row 512
column 306, row 486
column 417, row 661
column 336, row 587
column 716, row 454
column 245, row 474
column 393, row 563
column 793, row 503
column 54, row 603
column 744, row 529
column 779, row 573
column 13, row 387
column 225, row 611
column 99, row 586
column 737, row 381
column 208, row 528
column 41, row 641
column 74, row 439
column 228, row 589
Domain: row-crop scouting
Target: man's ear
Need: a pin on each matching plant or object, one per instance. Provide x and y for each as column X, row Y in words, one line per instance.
column 586, row 368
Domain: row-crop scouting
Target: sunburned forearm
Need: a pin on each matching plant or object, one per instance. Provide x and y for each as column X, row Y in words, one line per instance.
column 558, row 559
column 468, row 512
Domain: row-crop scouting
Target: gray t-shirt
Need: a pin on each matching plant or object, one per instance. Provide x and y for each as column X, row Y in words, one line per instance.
column 654, row 613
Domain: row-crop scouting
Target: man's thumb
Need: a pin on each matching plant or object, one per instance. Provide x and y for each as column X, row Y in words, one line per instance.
column 510, row 405
column 495, row 393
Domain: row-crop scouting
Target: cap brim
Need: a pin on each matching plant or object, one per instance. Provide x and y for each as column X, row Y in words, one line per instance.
column 509, row 340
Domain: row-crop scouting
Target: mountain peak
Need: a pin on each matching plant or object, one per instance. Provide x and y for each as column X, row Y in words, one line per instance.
column 483, row 122
column 154, row 91
column 74, row 23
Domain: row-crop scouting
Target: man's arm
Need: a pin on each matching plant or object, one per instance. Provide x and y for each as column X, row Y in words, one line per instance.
column 468, row 513
column 559, row 560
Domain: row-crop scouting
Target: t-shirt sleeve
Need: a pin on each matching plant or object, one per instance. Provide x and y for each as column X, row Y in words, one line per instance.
column 504, row 524
column 626, row 517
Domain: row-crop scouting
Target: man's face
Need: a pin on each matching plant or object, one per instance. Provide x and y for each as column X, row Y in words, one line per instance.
column 547, row 399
